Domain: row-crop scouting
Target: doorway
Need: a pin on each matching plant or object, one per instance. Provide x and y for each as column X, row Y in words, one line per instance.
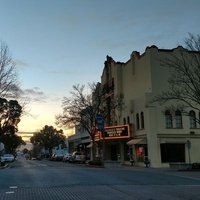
column 113, row 152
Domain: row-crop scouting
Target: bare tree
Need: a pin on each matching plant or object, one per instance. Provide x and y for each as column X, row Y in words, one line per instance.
column 193, row 42
column 9, row 86
column 82, row 108
column 184, row 79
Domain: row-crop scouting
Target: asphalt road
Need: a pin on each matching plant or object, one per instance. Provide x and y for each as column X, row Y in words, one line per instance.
column 49, row 180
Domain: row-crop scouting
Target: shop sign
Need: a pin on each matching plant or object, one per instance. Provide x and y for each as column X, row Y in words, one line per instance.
column 113, row 132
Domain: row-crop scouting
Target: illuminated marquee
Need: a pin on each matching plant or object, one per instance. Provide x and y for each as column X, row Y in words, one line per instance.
column 114, row 132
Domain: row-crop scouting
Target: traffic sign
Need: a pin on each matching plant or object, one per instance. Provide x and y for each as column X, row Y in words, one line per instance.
column 99, row 120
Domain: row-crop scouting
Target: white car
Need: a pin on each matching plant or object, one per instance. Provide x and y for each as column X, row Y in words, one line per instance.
column 67, row 157
column 7, row 158
column 78, row 157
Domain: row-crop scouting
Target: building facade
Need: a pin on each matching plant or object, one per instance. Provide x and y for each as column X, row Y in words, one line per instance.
column 135, row 126
column 79, row 141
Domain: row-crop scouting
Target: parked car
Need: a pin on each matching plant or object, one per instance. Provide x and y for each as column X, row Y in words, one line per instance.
column 67, row 157
column 56, row 157
column 7, row 158
column 78, row 157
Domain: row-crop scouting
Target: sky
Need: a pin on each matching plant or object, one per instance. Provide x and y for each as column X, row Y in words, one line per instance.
column 59, row 43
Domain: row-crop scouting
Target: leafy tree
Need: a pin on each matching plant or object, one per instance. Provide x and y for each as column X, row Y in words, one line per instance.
column 48, row 138
column 36, row 151
column 11, row 142
column 184, row 80
column 10, row 112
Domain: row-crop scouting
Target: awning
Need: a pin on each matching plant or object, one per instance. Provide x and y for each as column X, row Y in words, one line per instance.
column 89, row 145
column 137, row 141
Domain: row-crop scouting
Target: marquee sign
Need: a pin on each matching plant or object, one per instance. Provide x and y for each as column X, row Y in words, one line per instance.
column 114, row 132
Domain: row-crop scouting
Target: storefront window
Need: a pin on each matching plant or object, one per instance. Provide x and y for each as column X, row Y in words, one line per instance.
column 172, row 152
column 140, row 152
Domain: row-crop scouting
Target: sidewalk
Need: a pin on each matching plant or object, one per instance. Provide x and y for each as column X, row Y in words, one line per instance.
column 193, row 174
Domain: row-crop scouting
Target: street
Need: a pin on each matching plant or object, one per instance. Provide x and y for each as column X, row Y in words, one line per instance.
column 39, row 180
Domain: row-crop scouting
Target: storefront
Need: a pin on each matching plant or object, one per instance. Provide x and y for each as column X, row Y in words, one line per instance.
column 138, row 149
column 112, row 143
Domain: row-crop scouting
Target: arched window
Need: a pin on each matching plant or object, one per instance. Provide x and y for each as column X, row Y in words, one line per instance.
column 124, row 120
column 142, row 120
column 168, row 119
column 137, row 121
column 128, row 120
column 178, row 118
column 192, row 119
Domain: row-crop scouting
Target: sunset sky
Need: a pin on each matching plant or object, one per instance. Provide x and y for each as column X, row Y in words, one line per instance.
column 57, row 44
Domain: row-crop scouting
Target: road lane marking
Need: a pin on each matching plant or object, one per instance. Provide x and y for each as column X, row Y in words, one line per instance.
column 42, row 165
column 13, row 187
column 10, row 192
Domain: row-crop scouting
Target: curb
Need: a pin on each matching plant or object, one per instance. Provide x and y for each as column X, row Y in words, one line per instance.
column 95, row 166
column 3, row 167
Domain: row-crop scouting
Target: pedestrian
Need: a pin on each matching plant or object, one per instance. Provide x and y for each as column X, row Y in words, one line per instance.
column 146, row 161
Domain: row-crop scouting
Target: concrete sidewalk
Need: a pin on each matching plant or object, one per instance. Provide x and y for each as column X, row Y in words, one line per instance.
column 193, row 174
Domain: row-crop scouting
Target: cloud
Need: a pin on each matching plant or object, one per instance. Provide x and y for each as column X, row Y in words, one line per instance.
column 35, row 95
column 20, row 63
column 56, row 99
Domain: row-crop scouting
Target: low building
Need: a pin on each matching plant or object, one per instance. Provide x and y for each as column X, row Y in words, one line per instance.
column 79, row 141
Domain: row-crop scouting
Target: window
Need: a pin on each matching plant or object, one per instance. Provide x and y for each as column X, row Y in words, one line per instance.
column 192, row 116
column 124, row 120
column 137, row 121
column 128, row 120
column 142, row 120
column 178, row 118
column 172, row 152
column 168, row 119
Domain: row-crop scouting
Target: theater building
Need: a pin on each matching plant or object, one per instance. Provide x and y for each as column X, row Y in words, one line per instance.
column 135, row 126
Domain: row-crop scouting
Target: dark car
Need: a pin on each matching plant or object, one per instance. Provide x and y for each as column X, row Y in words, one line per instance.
column 7, row 158
column 56, row 157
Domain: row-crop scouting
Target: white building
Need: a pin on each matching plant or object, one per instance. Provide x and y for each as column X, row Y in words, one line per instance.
column 152, row 130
